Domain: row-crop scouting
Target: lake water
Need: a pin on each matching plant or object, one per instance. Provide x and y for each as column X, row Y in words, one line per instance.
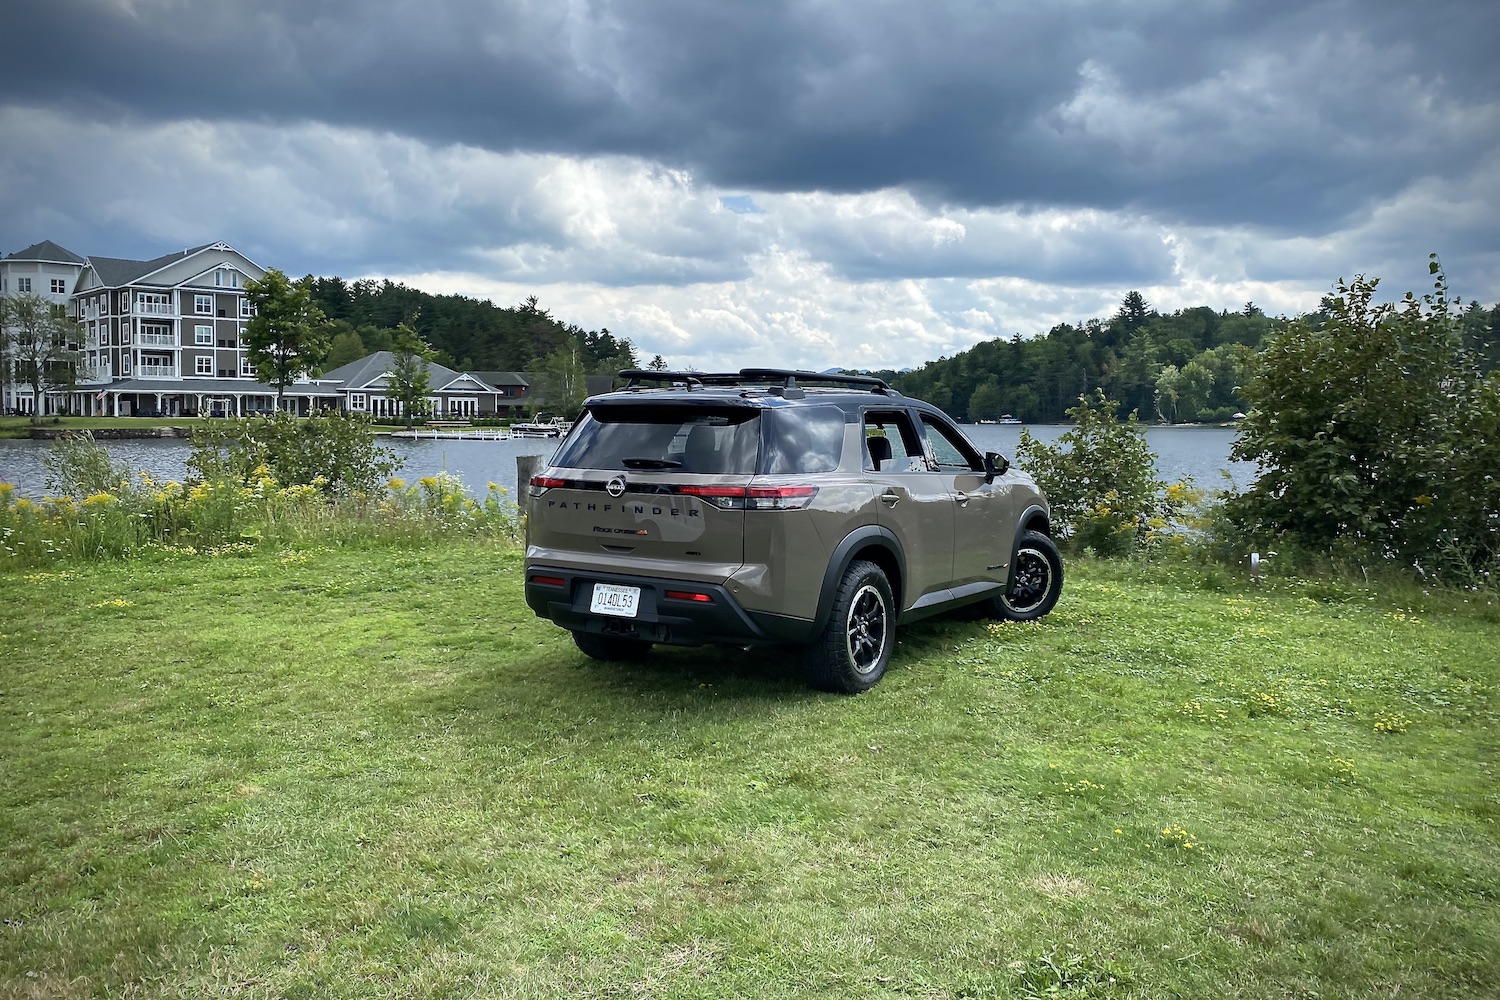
column 1201, row 453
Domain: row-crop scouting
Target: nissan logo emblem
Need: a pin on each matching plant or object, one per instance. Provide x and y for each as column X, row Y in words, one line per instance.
column 615, row 487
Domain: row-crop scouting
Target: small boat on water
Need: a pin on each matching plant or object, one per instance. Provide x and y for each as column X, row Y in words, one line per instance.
column 543, row 426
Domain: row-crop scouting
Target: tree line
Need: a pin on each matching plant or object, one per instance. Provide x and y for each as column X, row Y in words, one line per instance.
column 1190, row 365
column 465, row 334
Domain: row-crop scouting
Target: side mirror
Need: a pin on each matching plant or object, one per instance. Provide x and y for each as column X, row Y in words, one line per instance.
column 995, row 465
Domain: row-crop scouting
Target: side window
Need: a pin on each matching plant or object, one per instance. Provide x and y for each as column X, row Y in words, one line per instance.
column 892, row 443
column 804, row 439
column 952, row 452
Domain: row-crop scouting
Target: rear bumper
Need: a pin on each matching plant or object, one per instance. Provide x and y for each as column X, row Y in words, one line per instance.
column 659, row 618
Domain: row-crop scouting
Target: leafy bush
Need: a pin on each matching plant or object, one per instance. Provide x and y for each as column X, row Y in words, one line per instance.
column 1374, row 434
column 337, row 449
column 77, row 465
column 1101, row 483
column 238, row 498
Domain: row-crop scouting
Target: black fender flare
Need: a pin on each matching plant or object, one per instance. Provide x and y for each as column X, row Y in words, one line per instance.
column 843, row 555
column 1033, row 518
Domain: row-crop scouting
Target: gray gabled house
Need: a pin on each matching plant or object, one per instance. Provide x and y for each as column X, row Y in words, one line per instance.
column 364, row 386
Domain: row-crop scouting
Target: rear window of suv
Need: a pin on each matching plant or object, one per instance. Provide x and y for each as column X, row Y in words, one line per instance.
column 736, row 441
column 666, row 438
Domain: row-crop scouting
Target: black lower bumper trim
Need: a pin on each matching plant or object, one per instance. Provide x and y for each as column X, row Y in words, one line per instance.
column 659, row 618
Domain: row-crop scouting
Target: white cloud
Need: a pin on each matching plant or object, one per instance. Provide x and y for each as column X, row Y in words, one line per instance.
column 811, row 279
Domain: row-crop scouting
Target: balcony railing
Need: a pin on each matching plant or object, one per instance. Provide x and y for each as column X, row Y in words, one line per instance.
column 154, row 309
column 167, row 370
column 156, row 339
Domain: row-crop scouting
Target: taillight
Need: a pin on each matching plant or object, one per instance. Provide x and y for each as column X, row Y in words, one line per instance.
column 781, row 497
column 548, row 581
column 547, row 483
column 753, row 497
column 718, row 494
column 690, row 595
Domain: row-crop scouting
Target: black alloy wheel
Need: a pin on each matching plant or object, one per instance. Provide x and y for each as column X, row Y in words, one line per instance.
column 855, row 648
column 1036, row 579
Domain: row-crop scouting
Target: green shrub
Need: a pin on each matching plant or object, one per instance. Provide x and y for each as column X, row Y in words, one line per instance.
column 1101, row 483
column 1374, row 435
column 79, row 466
column 335, row 450
column 235, row 502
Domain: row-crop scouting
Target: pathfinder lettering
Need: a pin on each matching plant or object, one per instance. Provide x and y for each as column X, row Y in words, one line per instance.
column 624, row 508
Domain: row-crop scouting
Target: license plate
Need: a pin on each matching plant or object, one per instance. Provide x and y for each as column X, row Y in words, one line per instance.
column 613, row 599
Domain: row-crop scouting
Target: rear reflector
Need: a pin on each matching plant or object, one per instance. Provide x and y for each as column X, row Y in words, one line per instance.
column 548, row 482
column 548, row 581
column 689, row 595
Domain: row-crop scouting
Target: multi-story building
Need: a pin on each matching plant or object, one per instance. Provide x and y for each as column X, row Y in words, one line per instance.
column 44, row 269
column 165, row 337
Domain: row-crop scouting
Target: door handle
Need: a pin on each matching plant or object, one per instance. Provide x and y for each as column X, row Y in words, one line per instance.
column 890, row 499
column 962, row 498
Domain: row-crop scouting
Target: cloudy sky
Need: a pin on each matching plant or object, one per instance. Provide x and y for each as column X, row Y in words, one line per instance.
column 790, row 182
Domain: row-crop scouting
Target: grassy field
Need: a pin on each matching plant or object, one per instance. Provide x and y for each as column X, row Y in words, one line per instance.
column 370, row 772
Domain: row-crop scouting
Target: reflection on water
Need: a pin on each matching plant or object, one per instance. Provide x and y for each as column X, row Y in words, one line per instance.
column 1201, row 453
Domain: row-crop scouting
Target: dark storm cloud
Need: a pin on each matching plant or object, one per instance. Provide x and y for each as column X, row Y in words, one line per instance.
column 1276, row 114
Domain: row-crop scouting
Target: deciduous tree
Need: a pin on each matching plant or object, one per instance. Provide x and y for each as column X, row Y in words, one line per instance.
column 409, row 373
column 562, row 380
column 286, row 337
column 42, row 344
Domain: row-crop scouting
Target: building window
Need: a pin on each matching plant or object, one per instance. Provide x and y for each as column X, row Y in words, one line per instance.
column 156, row 335
column 125, row 365
column 203, row 305
column 247, row 370
column 204, row 365
column 226, row 277
column 356, row 401
column 59, row 287
column 23, row 284
column 203, row 336
column 244, row 308
column 153, row 304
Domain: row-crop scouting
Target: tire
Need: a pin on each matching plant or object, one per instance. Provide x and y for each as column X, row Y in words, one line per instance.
column 1036, row 580
column 610, row 648
column 855, row 647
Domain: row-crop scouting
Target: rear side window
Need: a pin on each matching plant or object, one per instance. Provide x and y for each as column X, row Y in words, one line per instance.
column 803, row 439
column 665, row 438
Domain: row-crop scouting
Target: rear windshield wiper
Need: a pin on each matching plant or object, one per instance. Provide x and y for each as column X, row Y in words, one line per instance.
column 650, row 463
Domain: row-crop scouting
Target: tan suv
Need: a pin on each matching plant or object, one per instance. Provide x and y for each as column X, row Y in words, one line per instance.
column 778, row 507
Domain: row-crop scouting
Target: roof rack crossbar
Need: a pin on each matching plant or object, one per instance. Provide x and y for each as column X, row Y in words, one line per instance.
column 781, row 379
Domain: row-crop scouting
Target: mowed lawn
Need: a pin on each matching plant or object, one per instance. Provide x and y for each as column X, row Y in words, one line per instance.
column 371, row 772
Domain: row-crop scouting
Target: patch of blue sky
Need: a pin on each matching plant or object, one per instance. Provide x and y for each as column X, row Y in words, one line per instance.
column 740, row 204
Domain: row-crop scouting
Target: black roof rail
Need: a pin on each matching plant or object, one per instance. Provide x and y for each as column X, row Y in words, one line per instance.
column 782, row 381
column 790, row 378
